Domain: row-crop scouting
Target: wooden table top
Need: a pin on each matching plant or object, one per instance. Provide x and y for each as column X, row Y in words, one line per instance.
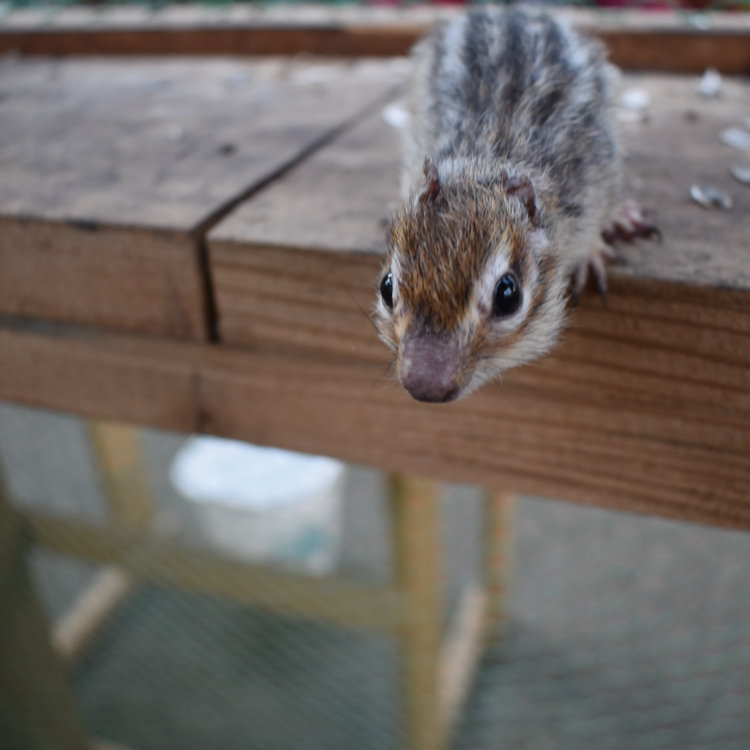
column 193, row 245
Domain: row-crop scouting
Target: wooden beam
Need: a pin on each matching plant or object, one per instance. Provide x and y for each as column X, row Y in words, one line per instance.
column 90, row 272
column 644, row 407
column 112, row 172
column 667, row 41
column 154, row 559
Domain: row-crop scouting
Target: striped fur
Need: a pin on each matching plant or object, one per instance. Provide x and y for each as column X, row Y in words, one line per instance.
column 500, row 98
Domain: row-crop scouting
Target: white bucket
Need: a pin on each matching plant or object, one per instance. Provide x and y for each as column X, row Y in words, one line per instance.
column 263, row 504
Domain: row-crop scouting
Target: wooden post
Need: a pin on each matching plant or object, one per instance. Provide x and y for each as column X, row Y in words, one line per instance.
column 498, row 509
column 118, row 457
column 416, row 534
column 37, row 707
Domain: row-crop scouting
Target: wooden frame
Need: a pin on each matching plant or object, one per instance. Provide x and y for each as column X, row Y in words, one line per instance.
column 436, row 667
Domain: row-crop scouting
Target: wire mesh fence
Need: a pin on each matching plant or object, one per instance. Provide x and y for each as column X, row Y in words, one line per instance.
column 622, row 631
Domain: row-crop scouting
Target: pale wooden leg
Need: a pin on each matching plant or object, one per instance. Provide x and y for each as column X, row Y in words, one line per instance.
column 497, row 547
column 35, row 696
column 118, row 457
column 90, row 610
column 461, row 652
column 418, row 576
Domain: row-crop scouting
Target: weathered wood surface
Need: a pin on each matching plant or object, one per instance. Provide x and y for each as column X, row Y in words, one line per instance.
column 121, row 167
column 639, row 410
column 310, row 283
column 644, row 406
column 677, row 146
column 652, row 40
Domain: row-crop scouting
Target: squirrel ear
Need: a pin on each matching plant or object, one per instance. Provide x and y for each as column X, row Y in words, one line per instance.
column 431, row 188
column 522, row 188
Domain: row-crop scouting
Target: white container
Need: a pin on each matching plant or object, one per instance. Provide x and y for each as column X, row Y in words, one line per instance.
column 263, row 504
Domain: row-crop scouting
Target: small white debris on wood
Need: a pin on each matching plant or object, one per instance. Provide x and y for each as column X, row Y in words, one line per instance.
column 396, row 116
column 740, row 173
column 736, row 138
column 635, row 99
column 710, row 83
column 709, row 196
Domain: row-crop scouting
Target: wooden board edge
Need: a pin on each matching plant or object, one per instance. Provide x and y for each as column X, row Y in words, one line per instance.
column 258, row 396
column 636, row 42
column 180, row 288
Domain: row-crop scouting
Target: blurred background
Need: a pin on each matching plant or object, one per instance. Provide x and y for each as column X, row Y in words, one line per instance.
column 621, row 632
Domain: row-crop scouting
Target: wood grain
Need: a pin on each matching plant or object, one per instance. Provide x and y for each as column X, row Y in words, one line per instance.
column 133, row 278
column 678, row 145
column 310, row 283
column 120, row 166
column 656, row 424
column 165, row 143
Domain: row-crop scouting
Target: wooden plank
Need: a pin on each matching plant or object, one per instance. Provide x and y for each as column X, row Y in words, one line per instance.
column 310, row 283
column 127, row 278
column 165, row 144
column 676, row 146
column 154, row 559
column 655, row 40
column 644, row 407
column 120, row 166
column 272, row 287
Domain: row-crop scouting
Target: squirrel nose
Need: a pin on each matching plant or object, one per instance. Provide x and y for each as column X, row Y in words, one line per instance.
column 430, row 369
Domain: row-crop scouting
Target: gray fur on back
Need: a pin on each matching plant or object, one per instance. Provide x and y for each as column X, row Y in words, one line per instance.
column 517, row 90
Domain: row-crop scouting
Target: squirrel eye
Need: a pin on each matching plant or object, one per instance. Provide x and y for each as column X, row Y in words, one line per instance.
column 507, row 296
column 386, row 289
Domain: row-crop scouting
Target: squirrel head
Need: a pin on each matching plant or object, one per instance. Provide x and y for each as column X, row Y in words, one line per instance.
column 470, row 287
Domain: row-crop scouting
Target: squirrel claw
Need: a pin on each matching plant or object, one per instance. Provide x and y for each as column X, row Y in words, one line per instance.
column 629, row 223
column 596, row 265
